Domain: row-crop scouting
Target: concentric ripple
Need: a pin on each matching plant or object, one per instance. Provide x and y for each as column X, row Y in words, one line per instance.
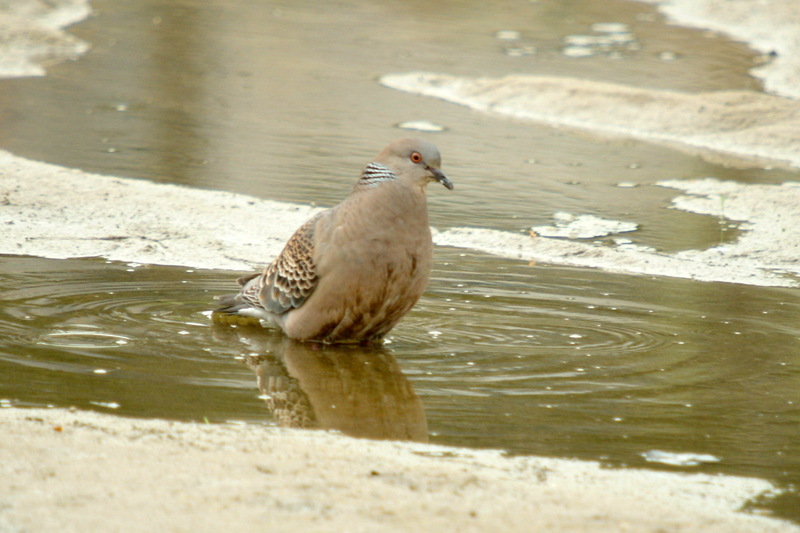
column 534, row 360
column 91, row 332
column 82, row 336
column 557, row 336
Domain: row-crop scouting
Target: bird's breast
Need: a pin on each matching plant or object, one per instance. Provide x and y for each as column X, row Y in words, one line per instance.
column 373, row 262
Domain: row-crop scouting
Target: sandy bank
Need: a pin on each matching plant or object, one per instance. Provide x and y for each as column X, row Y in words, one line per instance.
column 32, row 36
column 94, row 472
column 771, row 28
column 766, row 254
column 729, row 123
column 51, row 211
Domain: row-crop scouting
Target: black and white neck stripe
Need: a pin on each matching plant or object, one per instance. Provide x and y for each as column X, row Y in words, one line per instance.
column 375, row 173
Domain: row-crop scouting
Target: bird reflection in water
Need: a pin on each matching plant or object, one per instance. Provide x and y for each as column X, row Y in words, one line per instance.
column 358, row 390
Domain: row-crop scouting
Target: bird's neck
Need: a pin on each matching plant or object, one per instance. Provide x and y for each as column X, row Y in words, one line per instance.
column 398, row 201
column 374, row 175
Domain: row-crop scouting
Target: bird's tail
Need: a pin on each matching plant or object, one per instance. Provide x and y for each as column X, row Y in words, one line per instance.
column 229, row 306
column 228, row 312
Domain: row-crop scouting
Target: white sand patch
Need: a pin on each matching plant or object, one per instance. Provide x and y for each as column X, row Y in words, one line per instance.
column 738, row 123
column 421, row 125
column 678, row 459
column 625, row 259
column 32, row 36
column 81, row 471
column 767, row 253
column 582, row 226
column 769, row 27
column 771, row 223
column 51, row 211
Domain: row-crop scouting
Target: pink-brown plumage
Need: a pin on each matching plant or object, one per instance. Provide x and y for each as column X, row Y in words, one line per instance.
column 352, row 272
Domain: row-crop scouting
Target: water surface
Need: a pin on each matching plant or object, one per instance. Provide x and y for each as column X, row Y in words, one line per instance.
column 536, row 360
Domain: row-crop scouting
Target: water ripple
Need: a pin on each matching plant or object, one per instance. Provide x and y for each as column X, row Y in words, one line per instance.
column 508, row 356
column 82, row 336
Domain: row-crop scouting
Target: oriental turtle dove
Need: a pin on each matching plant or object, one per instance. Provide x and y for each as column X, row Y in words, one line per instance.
column 352, row 272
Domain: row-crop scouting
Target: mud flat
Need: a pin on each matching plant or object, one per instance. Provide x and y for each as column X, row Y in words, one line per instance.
column 67, row 471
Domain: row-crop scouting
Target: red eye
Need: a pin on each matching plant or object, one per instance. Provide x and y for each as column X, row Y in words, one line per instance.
column 416, row 157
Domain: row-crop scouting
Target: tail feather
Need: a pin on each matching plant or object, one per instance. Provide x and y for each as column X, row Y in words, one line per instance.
column 230, row 304
column 242, row 308
column 228, row 312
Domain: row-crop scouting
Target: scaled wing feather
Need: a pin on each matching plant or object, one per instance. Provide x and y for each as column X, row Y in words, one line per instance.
column 291, row 278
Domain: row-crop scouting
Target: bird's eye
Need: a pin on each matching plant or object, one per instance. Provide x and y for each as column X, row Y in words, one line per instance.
column 416, row 157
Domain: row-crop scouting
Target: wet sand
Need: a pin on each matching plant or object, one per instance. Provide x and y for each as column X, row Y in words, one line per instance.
column 765, row 254
column 55, row 212
column 723, row 126
column 82, row 471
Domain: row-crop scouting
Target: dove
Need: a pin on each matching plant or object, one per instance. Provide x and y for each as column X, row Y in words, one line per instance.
column 350, row 273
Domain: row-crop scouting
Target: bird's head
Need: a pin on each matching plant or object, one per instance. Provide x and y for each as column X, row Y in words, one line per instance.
column 414, row 160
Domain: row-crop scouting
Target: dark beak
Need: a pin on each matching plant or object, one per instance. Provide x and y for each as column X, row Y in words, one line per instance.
column 439, row 176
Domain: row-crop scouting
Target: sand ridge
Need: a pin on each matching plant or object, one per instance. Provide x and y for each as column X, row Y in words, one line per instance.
column 82, row 471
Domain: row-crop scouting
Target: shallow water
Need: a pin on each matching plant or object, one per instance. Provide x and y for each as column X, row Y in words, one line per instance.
column 532, row 359
column 282, row 102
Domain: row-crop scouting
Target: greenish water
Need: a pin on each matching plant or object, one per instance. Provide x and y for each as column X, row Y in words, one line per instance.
column 279, row 100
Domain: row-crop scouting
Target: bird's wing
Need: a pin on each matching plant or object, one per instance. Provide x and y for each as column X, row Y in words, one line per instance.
column 290, row 279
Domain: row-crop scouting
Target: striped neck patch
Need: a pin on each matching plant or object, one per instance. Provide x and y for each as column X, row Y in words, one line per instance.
column 376, row 173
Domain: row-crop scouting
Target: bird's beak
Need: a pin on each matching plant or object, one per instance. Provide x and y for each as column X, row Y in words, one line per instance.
column 439, row 176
